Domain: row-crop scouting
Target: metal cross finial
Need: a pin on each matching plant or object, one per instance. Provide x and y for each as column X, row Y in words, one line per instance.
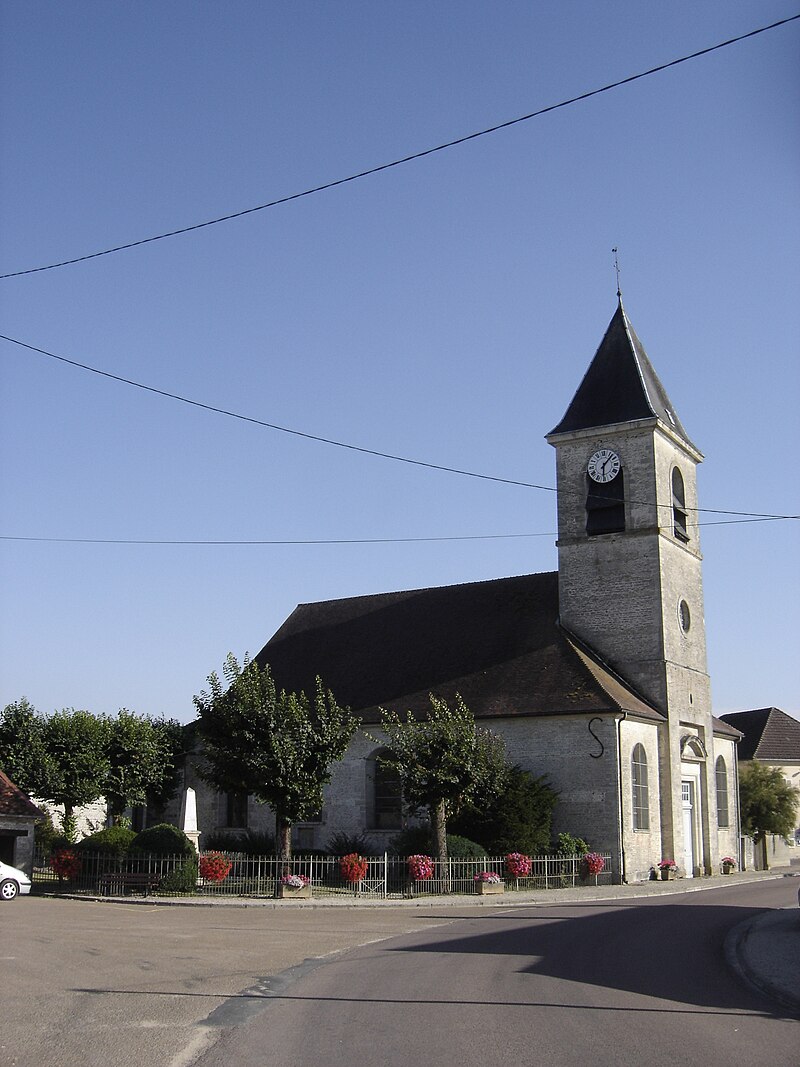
column 616, row 268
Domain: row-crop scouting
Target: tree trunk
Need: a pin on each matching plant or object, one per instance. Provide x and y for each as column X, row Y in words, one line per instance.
column 284, row 842
column 439, row 825
column 69, row 826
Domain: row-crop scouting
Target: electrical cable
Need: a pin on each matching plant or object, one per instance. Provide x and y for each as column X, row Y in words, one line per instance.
column 405, row 159
column 333, row 540
column 344, row 444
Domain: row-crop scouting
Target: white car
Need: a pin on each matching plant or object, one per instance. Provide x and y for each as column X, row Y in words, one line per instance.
column 13, row 882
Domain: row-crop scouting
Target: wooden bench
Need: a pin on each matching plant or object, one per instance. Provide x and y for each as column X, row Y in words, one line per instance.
column 122, row 880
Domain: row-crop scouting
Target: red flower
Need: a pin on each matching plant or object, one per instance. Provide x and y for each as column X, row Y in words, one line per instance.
column 594, row 862
column 214, row 867
column 353, row 868
column 420, row 867
column 518, row 864
column 65, row 863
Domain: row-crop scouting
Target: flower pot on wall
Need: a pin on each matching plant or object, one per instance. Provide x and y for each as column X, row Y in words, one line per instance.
column 288, row 892
column 491, row 889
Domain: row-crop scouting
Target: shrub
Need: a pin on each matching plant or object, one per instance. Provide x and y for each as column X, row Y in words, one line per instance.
column 519, row 818
column 164, row 840
column 249, row 843
column 114, row 841
column 567, row 845
column 343, row 844
column 182, row 880
column 417, row 840
column 44, row 834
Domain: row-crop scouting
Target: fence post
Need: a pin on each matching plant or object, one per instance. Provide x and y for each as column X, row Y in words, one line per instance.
column 385, row 875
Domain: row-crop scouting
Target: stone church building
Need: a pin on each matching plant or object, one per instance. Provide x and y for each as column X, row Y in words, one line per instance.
column 594, row 676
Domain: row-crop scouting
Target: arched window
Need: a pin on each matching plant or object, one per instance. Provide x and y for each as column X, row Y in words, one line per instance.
column 641, row 793
column 680, row 526
column 386, row 801
column 605, row 506
column 722, row 793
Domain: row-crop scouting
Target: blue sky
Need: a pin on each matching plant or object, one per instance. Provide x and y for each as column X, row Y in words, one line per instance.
column 444, row 310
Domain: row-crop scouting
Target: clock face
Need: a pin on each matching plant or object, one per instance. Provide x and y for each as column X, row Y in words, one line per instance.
column 603, row 466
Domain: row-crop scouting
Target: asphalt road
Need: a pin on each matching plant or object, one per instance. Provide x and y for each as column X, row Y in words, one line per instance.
column 94, row 984
column 561, row 986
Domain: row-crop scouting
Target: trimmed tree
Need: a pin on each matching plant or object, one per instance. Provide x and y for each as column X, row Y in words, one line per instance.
column 141, row 760
column 77, row 764
column 768, row 803
column 22, row 751
column 444, row 761
column 276, row 746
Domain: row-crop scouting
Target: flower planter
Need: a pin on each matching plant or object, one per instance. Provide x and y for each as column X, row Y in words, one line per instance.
column 288, row 892
column 490, row 889
column 727, row 868
column 668, row 876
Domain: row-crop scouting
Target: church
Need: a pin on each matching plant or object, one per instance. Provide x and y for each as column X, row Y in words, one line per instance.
column 595, row 676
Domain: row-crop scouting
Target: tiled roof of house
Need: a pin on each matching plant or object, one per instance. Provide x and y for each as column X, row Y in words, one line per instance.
column 620, row 385
column 497, row 643
column 769, row 734
column 13, row 802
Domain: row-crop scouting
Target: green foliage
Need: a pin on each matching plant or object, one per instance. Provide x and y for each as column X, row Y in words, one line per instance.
column 567, row 845
column 22, row 751
column 444, row 762
column 462, row 848
column 768, row 803
column 274, row 745
column 517, row 819
column 114, row 840
column 342, row 844
column 76, row 765
column 250, row 843
column 140, row 752
column 45, row 834
column 163, row 840
column 182, row 880
column 417, row 840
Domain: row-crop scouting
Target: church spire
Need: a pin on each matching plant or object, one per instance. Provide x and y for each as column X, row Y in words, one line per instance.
column 620, row 385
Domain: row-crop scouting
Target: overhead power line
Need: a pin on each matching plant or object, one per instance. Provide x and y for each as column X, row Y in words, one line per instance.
column 344, row 444
column 404, row 159
column 332, row 540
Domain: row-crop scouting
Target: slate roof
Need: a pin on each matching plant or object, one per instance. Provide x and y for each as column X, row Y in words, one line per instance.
column 14, row 803
column 769, row 734
column 620, row 385
column 497, row 643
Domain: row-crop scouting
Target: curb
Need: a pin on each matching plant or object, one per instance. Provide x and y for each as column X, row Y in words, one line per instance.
column 585, row 894
column 737, row 942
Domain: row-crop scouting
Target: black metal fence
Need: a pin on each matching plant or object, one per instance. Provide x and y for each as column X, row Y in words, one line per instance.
column 386, row 876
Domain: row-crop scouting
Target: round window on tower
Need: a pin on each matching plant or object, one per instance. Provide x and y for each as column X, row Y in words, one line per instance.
column 684, row 616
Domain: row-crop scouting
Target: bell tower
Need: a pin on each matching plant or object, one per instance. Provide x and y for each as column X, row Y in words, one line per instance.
column 629, row 565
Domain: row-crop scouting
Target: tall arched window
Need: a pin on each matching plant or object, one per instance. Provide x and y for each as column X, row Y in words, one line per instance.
column 641, row 793
column 680, row 526
column 722, row 793
column 386, row 806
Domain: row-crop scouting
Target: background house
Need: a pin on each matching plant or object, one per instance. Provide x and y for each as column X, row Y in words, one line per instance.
column 18, row 818
column 772, row 737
